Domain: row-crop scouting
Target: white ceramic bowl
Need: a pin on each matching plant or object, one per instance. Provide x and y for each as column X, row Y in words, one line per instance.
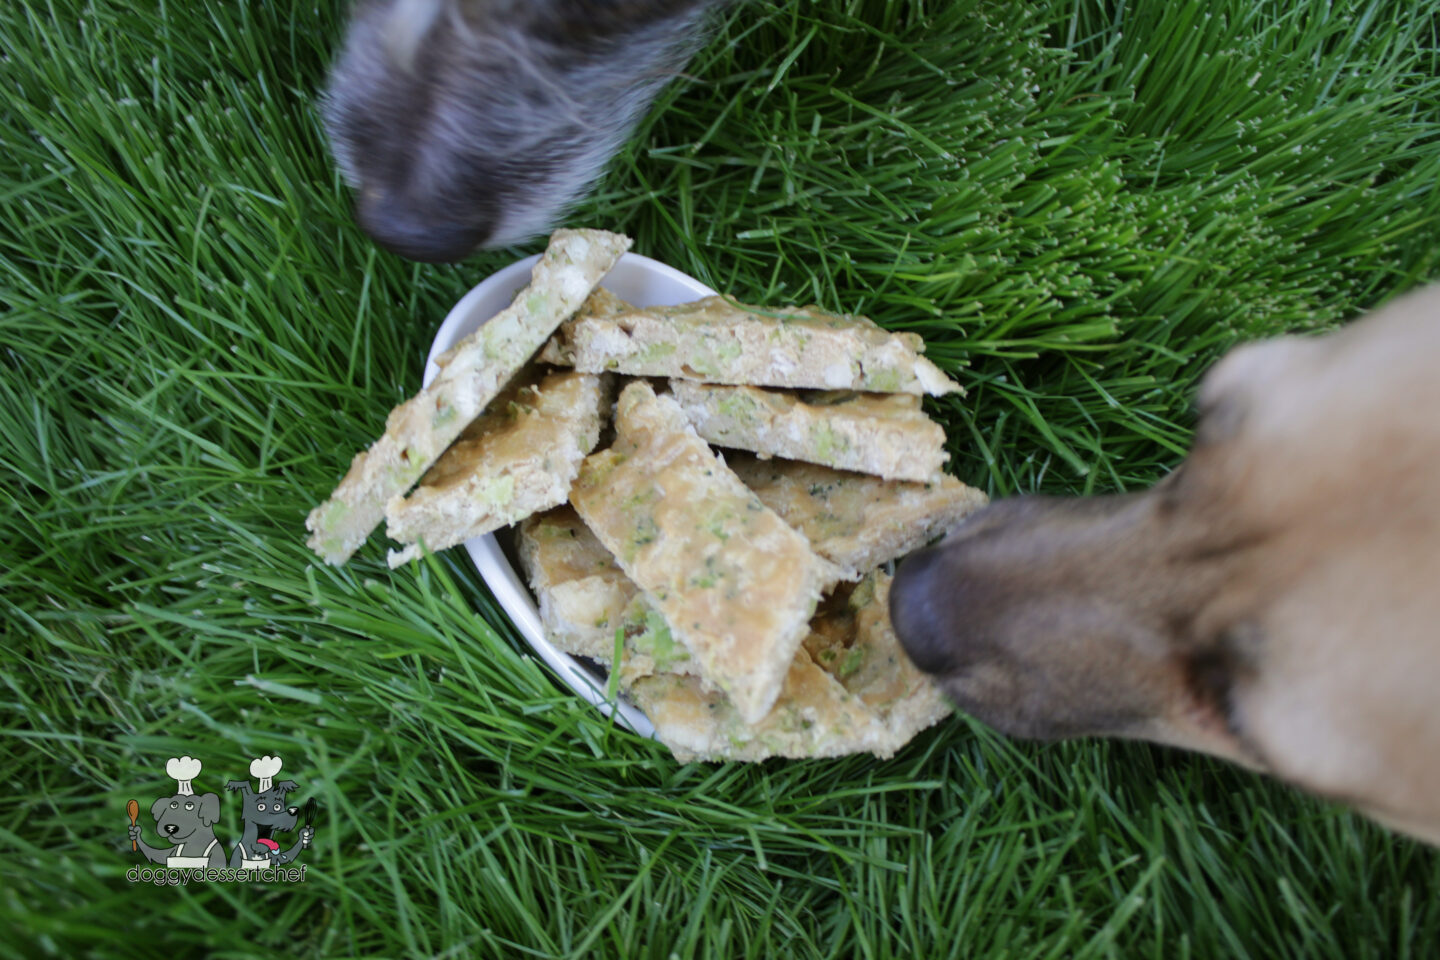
column 638, row 280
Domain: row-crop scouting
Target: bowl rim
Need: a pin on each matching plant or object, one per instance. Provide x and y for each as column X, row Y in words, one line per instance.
column 485, row 552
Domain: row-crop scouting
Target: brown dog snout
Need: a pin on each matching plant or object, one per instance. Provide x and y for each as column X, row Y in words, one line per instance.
column 1017, row 619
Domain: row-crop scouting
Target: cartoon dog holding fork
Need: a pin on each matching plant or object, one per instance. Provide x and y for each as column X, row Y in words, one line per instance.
column 263, row 814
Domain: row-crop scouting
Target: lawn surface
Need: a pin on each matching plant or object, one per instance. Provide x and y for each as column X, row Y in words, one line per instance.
column 1079, row 204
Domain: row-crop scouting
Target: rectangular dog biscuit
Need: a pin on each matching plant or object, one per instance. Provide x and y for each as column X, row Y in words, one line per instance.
column 471, row 373
column 855, row 643
column 584, row 597
column 735, row 583
column 517, row 458
column 854, row 520
column 601, row 303
column 883, row 434
column 850, row 689
column 717, row 341
column 813, row 717
column 582, row 593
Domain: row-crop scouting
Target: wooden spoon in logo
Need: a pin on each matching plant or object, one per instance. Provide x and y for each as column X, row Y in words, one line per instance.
column 133, row 808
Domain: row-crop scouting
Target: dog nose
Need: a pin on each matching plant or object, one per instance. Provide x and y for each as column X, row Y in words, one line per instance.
column 292, row 810
column 914, row 611
column 410, row 230
column 171, row 828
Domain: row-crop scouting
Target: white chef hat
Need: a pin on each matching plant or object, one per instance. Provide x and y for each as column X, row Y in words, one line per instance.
column 183, row 769
column 265, row 769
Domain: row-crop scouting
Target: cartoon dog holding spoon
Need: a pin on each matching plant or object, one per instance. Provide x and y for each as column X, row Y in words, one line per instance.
column 185, row 820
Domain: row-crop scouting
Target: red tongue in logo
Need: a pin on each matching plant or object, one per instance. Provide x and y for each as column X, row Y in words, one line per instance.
column 269, row 843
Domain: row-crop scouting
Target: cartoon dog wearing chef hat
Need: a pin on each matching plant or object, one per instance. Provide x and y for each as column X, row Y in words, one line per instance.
column 265, row 813
column 185, row 820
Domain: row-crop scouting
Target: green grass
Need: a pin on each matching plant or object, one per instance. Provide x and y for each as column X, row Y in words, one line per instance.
column 1079, row 204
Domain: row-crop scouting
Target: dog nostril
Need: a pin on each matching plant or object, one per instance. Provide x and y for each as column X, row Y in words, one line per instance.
column 406, row 229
